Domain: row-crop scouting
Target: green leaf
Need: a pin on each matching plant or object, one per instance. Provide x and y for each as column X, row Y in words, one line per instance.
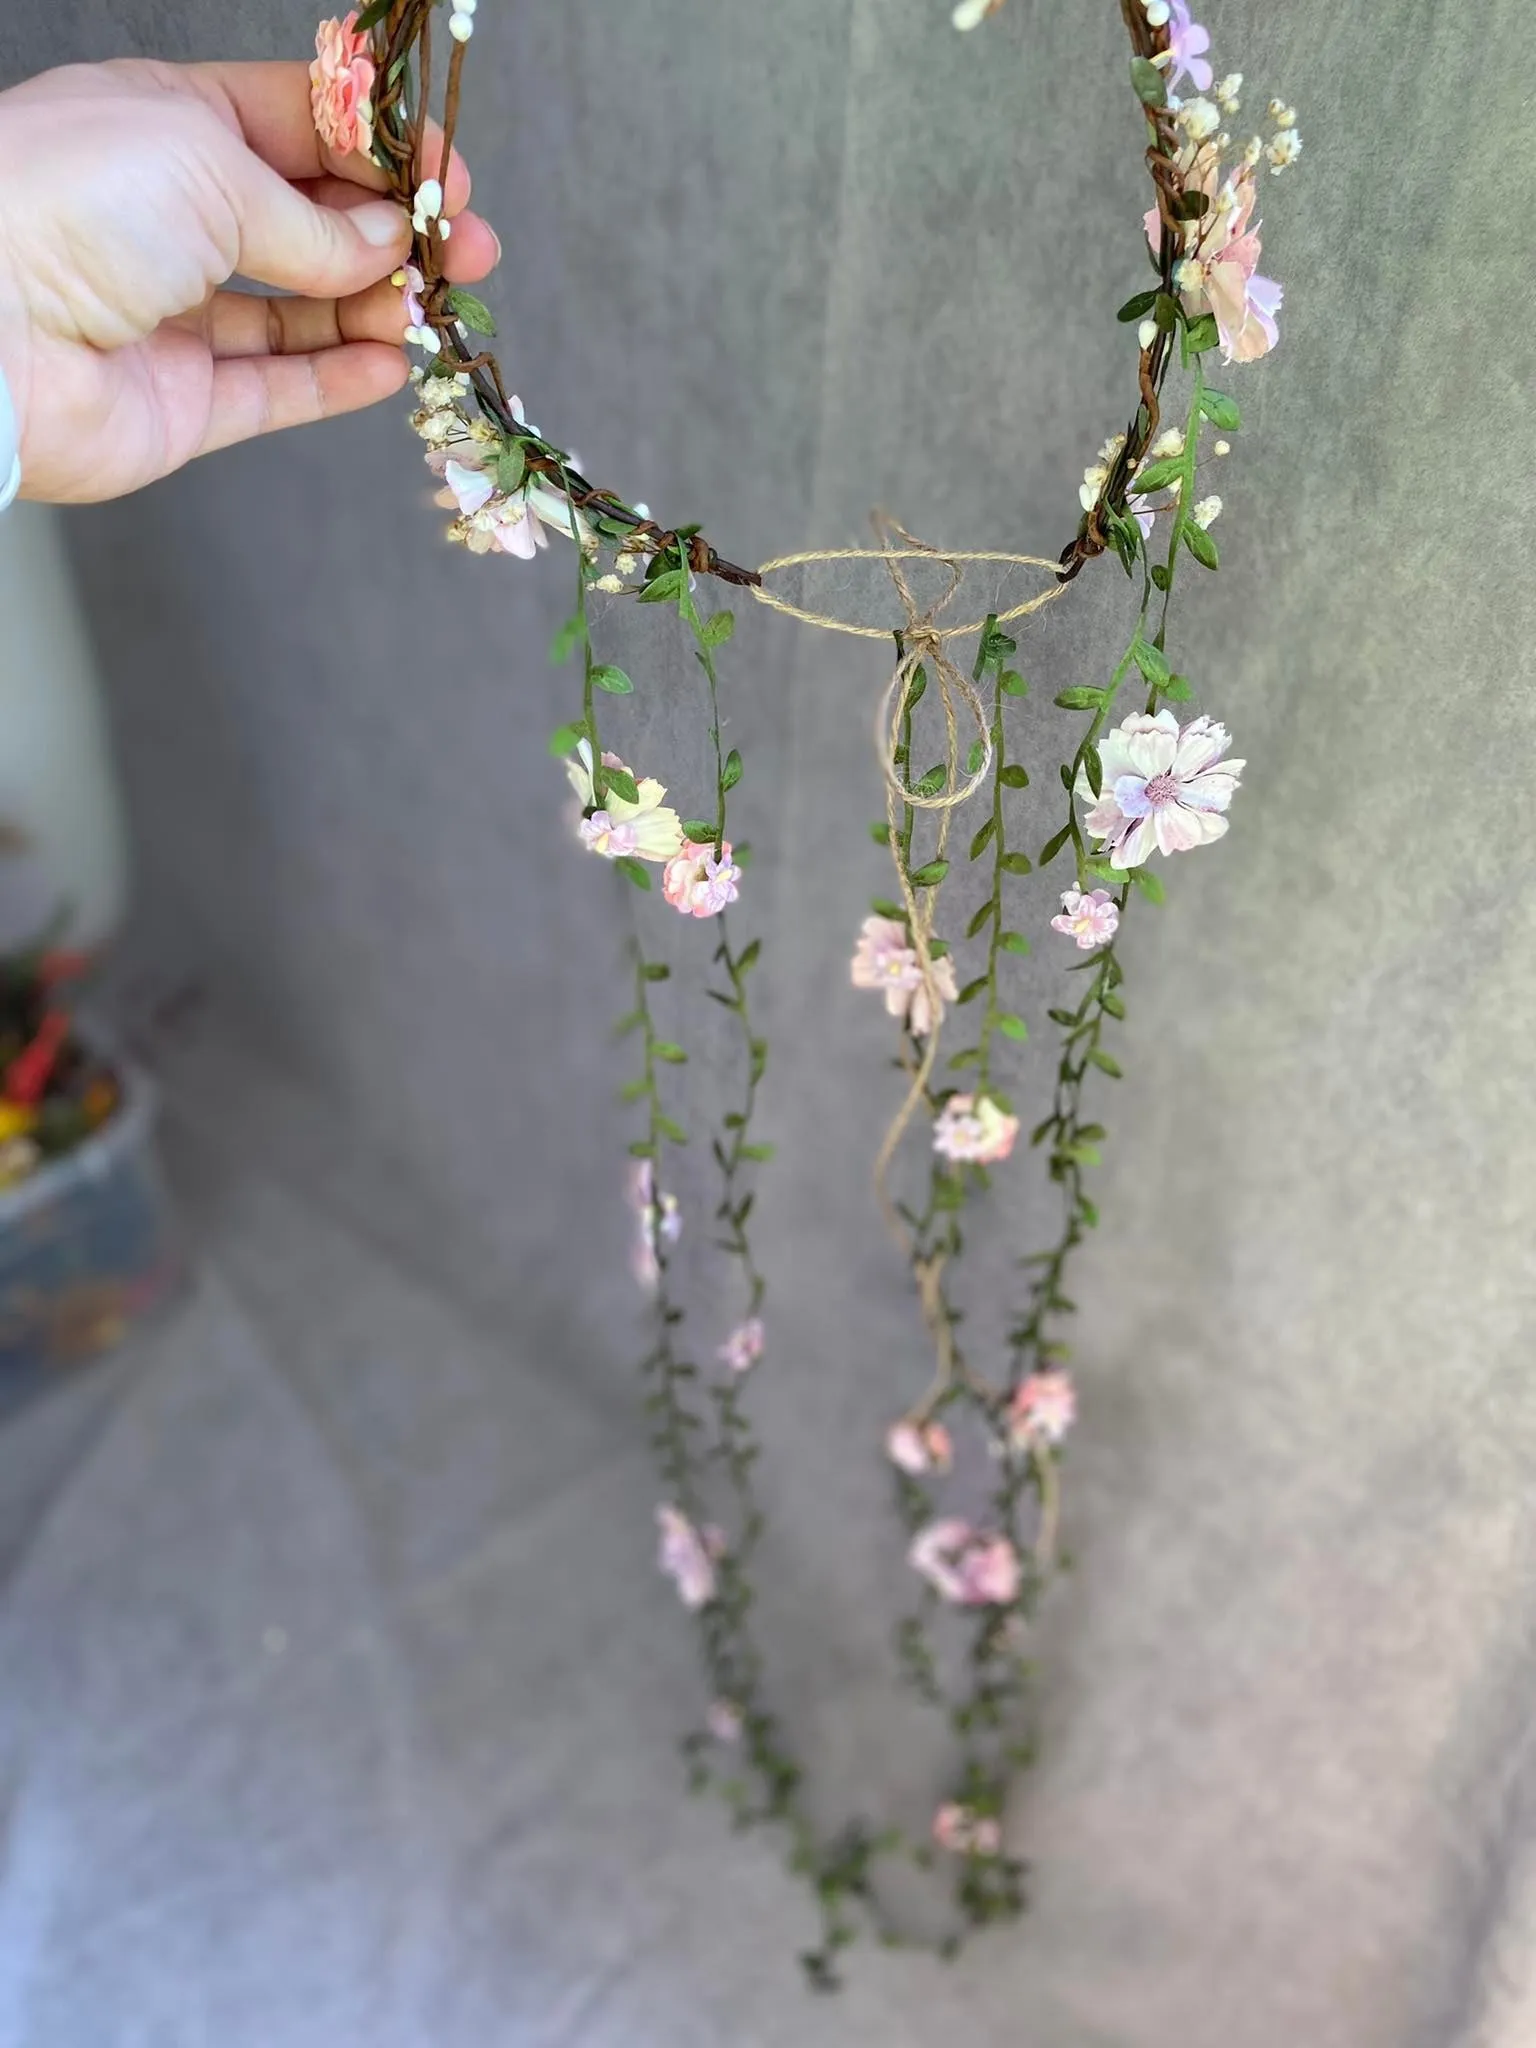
column 929, row 875
column 641, row 1148
column 612, row 679
column 634, row 871
column 1161, row 476
column 730, row 775
column 1016, row 864
column 664, row 588
column 620, row 781
column 1113, row 1005
column 916, row 687
column 1201, row 334
column 1149, row 884
column 372, row 14
column 1081, row 698
column 474, row 313
column 633, row 1090
column 981, row 918
column 1054, row 844
column 1221, row 411
column 974, row 988
column 1177, row 690
column 1014, row 1028
column 880, row 832
column 511, row 467
column 565, row 739
column 975, row 757
column 1106, row 1063
column 1151, row 660
column 664, row 1049
column 1159, row 576
column 569, row 637
column 932, row 782
column 882, row 906
column 1192, row 205
column 718, row 628
column 1066, row 777
column 698, row 829
column 750, row 956
column 1148, row 83
column 937, row 948
column 655, row 970
column 1014, row 777
column 1200, row 545
column 1166, row 313
column 760, row 1153
column 968, row 1058
column 980, row 842
column 1093, row 769
column 1137, row 308
column 999, row 645
column 669, row 1129
column 1013, row 942
column 630, row 1023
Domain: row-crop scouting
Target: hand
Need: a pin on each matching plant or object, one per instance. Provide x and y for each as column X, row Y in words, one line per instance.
column 129, row 194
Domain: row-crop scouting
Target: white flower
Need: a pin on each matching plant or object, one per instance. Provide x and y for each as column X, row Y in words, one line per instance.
column 1284, row 150
column 460, row 26
column 1146, row 333
column 1208, row 510
column 1198, row 118
column 1282, row 115
column 1157, row 12
column 970, row 13
column 1227, row 90
column 1169, row 442
column 658, row 831
column 1222, row 448
column 429, row 204
column 1161, row 790
column 1189, row 275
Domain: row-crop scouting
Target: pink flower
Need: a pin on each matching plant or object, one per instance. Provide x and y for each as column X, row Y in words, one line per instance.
column 1161, row 790
column 1091, row 920
column 965, row 1832
column 646, row 827
column 612, row 841
column 884, row 960
column 724, row 1721
column 683, row 1555
column 1188, row 43
column 744, row 1347
column 919, row 1446
column 698, row 882
column 412, row 285
column 966, row 1566
column 1042, row 1410
column 467, row 487
column 977, row 1132
column 341, row 87
column 1219, row 270
column 659, row 1221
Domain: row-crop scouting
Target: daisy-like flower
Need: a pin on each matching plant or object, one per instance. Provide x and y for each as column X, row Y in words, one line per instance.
column 966, row 1566
column 1161, row 790
column 974, row 1132
column 1092, row 919
column 918, row 1447
column 744, row 1347
column 683, row 1553
column 341, row 83
column 962, row 1831
column 698, row 881
column 1042, row 1410
column 884, row 960
column 644, row 828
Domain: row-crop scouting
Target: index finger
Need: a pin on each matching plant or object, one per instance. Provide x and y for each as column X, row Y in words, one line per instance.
column 270, row 104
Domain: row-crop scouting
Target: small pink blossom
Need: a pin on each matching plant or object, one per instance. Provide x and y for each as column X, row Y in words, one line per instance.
column 883, row 959
column 1219, row 271
column 1161, row 789
column 975, row 1132
column 1188, row 43
column 683, row 1554
column 724, row 1720
column 467, row 487
column 341, row 87
column 964, row 1832
column 412, row 284
column 699, row 882
column 744, row 1347
column 1092, row 920
column 659, row 1221
column 1043, row 1409
column 965, row 1565
column 918, row 1447
column 612, row 841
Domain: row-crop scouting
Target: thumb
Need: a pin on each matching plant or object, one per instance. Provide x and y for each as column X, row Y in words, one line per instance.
column 288, row 241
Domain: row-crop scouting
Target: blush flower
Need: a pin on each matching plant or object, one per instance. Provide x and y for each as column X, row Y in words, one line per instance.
column 684, row 1555
column 1161, row 789
column 744, row 1347
column 644, row 828
column 1042, row 1410
column 1092, row 919
column 1219, row 271
column 917, row 1447
column 698, row 881
column 341, row 87
column 964, row 1832
column 966, row 1566
column 884, row 960
column 658, row 1219
column 974, row 1132
column 724, row 1720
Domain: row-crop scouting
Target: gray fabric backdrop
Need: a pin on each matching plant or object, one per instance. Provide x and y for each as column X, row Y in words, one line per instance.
column 338, row 1688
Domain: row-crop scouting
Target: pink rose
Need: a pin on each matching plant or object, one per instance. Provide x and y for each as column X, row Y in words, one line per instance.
column 341, row 87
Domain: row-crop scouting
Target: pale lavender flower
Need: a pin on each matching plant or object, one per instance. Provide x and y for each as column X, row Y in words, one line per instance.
column 1162, row 790
column 1188, row 43
column 604, row 835
column 683, row 1554
column 1090, row 919
column 744, row 1347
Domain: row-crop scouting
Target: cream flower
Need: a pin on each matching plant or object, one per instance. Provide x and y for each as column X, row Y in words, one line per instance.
column 1161, row 790
column 341, row 87
column 977, row 1133
column 884, row 960
column 657, row 831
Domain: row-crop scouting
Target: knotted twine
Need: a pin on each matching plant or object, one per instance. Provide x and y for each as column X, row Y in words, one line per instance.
column 921, row 643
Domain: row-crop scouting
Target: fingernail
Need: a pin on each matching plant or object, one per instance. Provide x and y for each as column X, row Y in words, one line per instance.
column 381, row 224
column 496, row 239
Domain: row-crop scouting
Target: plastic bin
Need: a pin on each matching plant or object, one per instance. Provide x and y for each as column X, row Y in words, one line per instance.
column 87, row 1249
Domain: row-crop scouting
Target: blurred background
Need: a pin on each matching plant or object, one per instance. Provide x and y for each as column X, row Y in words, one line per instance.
column 338, row 1693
